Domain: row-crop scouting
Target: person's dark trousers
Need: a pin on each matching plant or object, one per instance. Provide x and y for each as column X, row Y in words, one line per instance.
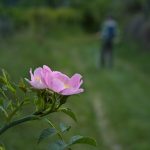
column 107, row 54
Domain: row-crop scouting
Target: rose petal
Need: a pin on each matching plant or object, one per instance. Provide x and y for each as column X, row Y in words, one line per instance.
column 57, row 85
column 31, row 74
column 53, row 83
column 37, row 85
column 76, row 81
column 46, row 68
column 38, row 71
column 62, row 77
column 71, row 91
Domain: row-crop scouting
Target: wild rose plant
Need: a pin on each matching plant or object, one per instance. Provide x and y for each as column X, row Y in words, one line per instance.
column 50, row 91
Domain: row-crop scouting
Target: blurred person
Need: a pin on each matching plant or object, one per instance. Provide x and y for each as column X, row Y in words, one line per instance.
column 108, row 36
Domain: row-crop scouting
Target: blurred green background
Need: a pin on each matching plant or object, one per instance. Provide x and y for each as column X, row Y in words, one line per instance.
column 115, row 107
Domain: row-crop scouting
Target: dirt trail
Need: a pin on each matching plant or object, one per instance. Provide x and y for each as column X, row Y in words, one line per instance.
column 108, row 135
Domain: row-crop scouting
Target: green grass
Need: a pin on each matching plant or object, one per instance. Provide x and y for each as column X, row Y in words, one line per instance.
column 124, row 89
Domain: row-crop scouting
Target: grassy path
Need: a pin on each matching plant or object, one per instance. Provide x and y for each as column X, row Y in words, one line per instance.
column 105, row 129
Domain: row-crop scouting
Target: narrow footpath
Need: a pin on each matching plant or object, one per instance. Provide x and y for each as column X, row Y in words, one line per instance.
column 108, row 135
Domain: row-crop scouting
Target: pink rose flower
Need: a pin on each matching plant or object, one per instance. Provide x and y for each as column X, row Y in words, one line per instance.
column 62, row 84
column 56, row 81
column 37, row 78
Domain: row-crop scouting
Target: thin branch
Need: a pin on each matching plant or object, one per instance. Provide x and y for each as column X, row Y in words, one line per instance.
column 35, row 116
column 17, row 122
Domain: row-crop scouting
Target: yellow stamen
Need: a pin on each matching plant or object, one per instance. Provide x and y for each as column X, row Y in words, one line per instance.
column 66, row 86
column 37, row 78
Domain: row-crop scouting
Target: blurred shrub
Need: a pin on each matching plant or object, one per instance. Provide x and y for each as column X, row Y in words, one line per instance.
column 86, row 14
column 6, row 26
column 138, row 30
column 133, row 6
column 68, row 16
column 94, row 12
column 90, row 22
column 17, row 17
column 42, row 19
column 134, row 26
column 145, row 35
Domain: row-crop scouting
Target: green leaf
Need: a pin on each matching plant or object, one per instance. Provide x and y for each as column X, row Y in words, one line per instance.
column 5, row 76
column 68, row 112
column 39, row 103
column 50, row 123
column 5, row 79
column 63, row 100
column 58, row 145
column 46, row 133
column 4, row 88
column 2, row 147
column 9, row 105
column 17, row 108
column 78, row 139
column 22, row 86
column 11, row 88
column 1, row 102
column 27, row 100
column 64, row 127
column 4, row 111
column 2, row 80
column 3, row 93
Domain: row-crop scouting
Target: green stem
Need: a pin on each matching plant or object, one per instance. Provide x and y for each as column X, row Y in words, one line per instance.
column 35, row 116
column 17, row 122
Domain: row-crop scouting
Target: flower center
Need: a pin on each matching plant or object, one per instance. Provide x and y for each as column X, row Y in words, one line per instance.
column 37, row 78
column 66, row 86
